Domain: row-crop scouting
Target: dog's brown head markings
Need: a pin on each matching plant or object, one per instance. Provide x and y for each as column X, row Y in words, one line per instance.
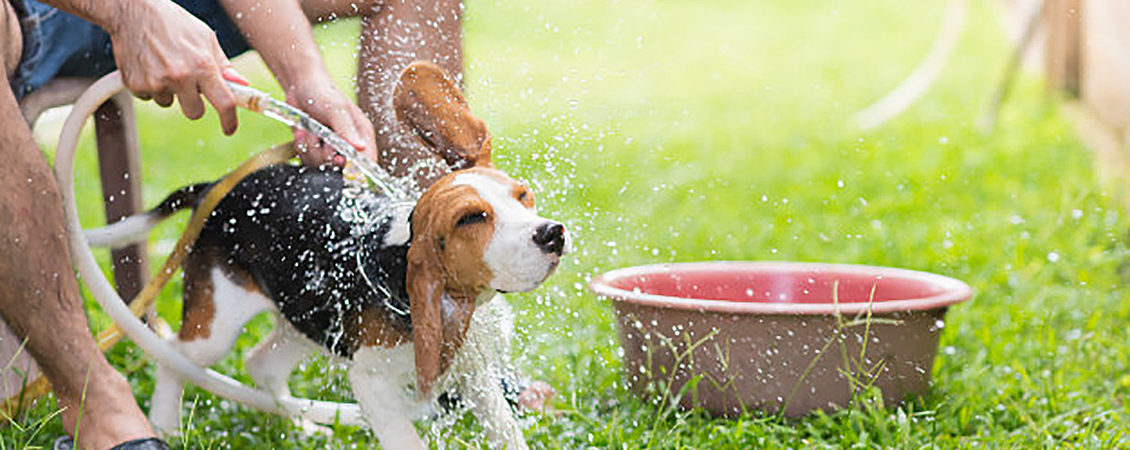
column 434, row 109
column 451, row 225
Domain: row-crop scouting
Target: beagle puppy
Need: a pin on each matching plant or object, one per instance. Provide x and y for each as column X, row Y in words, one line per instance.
column 405, row 294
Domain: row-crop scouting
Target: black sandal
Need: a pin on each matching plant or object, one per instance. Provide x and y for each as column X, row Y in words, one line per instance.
column 66, row 443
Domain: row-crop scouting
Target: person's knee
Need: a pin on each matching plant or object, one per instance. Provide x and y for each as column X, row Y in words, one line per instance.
column 11, row 45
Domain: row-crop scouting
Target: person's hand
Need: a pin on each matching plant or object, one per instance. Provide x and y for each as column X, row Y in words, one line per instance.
column 163, row 51
column 319, row 98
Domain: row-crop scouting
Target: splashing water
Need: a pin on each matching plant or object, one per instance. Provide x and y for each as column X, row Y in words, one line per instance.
column 356, row 165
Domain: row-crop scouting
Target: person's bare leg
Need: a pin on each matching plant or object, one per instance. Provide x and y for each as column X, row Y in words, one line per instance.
column 39, row 296
column 395, row 33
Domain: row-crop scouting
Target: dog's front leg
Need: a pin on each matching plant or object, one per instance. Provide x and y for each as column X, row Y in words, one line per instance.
column 379, row 377
column 488, row 404
column 164, row 408
column 480, row 361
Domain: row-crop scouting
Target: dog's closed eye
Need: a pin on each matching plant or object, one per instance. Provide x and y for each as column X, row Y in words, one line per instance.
column 471, row 218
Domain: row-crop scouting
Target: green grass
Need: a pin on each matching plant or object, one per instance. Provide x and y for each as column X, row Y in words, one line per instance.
column 682, row 131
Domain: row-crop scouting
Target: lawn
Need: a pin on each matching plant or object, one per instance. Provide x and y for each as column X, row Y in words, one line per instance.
column 681, row 131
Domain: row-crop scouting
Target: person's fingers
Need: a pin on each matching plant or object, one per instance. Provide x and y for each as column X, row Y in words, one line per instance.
column 188, row 94
column 302, row 147
column 308, row 160
column 221, row 59
column 231, row 75
column 320, row 153
column 223, row 100
column 368, row 135
column 163, row 98
column 301, row 141
column 310, row 152
column 345, row 125
column 314, row 157
column 138, row 87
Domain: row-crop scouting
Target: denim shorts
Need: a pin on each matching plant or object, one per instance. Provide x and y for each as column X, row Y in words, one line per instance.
column 59, row 44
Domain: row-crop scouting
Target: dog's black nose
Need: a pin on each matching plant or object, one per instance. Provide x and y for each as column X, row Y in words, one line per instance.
column 550, row 237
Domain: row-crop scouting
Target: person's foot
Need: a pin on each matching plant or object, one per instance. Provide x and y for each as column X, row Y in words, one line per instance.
column 536, row 396
column 109, row 414
column 66, row 443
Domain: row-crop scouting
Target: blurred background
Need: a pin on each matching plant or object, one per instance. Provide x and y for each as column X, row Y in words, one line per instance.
column 664, row 131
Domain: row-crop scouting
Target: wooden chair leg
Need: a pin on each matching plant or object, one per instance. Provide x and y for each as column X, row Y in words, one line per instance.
column 119, row 166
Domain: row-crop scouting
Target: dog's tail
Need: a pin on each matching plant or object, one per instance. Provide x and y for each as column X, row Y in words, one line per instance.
column 134, row 228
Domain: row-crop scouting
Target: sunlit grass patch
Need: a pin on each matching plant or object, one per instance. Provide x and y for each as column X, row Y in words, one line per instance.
column 682, row 131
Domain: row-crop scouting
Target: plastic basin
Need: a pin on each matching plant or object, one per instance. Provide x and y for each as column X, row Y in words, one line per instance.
column 774, row 336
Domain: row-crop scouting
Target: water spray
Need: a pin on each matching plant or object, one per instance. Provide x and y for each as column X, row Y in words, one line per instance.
column 356, row 166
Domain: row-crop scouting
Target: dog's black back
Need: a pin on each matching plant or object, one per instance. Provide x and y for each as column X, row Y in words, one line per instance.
column 320, row 257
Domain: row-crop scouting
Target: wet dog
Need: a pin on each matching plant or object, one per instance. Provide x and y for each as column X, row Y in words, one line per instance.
column 404, row 293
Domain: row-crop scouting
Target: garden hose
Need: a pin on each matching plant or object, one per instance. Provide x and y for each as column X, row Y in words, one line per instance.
column 126, row 319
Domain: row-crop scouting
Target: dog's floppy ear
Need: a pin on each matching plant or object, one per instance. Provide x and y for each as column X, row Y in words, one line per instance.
column 439, row 318
column 431, row 105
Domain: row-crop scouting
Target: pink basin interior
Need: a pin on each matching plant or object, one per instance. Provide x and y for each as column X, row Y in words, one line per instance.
column 779, row 287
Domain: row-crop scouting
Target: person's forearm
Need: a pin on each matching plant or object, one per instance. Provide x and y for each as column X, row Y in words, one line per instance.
column 281, row 34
